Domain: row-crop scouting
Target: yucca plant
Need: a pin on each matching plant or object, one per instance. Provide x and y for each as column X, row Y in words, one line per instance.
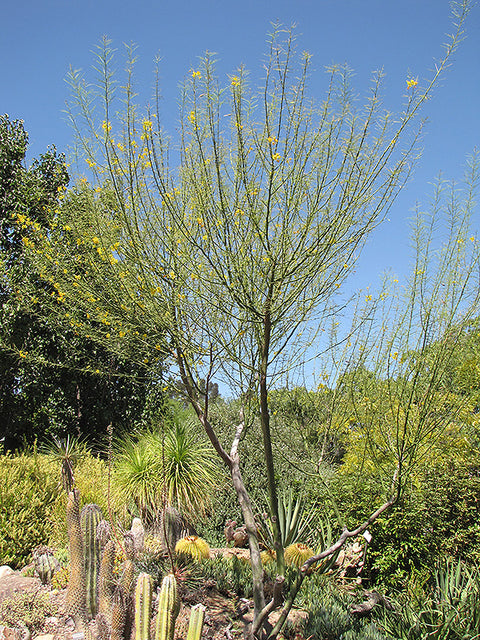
column 165, row 466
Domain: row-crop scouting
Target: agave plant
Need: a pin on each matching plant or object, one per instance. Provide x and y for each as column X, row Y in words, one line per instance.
column 295, row 524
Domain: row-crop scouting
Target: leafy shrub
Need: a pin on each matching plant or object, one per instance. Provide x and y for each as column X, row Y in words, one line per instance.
column 29, row 493
column 229, row 574
column 32, row 501
column 29, row 607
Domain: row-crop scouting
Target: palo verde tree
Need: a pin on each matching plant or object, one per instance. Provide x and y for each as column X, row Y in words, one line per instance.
column 237, row 254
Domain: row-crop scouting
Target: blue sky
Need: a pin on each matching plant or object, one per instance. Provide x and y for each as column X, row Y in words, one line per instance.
column 40, row 40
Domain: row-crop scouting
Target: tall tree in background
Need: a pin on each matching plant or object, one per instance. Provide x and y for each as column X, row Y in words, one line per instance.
column 238, row 255
column 71, row 385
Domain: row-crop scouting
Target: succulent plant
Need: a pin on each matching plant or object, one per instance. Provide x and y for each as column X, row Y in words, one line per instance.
column 194, row 547
column 90, row 517
column 76, row 591
column 45, row 563
column 195, row 626
column 297, row 553
column 143, row 606
column 168, row 609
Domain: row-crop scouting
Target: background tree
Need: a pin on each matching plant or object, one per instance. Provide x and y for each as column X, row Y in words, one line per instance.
column 68, row 384
column 239, row 254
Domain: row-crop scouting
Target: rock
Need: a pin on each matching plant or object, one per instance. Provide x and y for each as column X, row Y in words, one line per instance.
column 5, row 570
column 14, row 633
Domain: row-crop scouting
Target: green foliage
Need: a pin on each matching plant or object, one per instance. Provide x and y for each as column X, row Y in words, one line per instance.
column 449, row 609
column 53, row 380
column 230, row 574
column 169, row 465
column 329, row 613
column 28, row 607
column 28, row 496
column 294, row 522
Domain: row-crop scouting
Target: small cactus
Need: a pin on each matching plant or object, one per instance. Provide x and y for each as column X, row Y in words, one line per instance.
column 268, row 556
column 168, row 609
column 138, row 533
column 194, row 547
column 296, row 554
column 45, row 564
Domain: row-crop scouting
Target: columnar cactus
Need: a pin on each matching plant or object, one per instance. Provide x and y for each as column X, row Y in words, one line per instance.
column 168, row 609
column 106, row 580
column 197, row 616
column 76, row 600
column 90, row 517
column 118, row 616
column 143, row 606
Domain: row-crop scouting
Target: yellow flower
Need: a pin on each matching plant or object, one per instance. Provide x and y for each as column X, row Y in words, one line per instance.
column 95, row 240
column 191, row 116
column 22, row 354
column 272, row 140
column 196, row 74
column 235, row 81
column 412, row 82
column 395, row 355
column 276, row 156
column 147, row 125
column 106, row 126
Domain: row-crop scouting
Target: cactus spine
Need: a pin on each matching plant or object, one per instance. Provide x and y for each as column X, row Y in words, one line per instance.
column 195, row 626
column 168, row 609
column 76, row 601
column 90, row 517
column 143, row 606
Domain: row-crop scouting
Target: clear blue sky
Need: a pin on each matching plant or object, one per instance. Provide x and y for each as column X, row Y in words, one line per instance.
column 40, row 40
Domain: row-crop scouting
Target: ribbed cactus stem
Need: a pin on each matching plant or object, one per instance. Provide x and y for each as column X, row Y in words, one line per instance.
column 138, row 534
column 195, row 626
column 168, row 609
column 118, row 616
column 90, row 517
column 143, row 606
column 106, row 581
column 76, row 602
column 45, row 564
